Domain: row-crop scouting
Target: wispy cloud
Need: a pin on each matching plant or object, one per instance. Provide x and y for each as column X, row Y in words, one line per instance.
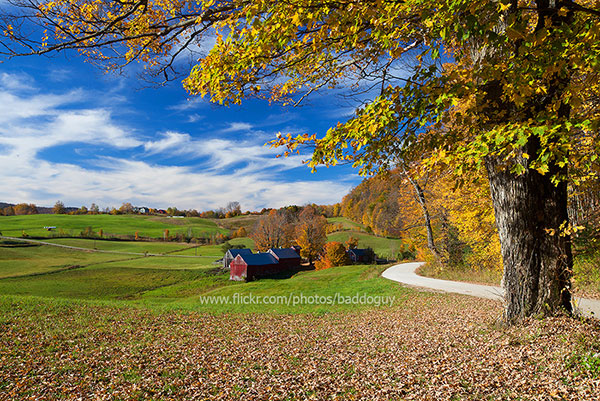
column 189, row 104
column 218, row 170
column 236, row 127
column 16, row 81
column 221, row 154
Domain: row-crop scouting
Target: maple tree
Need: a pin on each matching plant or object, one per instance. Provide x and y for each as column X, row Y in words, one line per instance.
column 310, row 233
column 334, row 254
column 273, row 230
column 506, row 86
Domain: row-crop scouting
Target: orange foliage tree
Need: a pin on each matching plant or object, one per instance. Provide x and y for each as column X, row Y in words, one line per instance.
column 311, row 233
column 334, row 255
column 273, row 230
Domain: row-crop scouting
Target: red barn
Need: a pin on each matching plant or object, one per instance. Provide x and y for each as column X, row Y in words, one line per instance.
column 249, row 267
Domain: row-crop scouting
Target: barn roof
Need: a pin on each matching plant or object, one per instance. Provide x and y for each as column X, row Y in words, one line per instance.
column 242, row 251
column 259, row 259
column 284, row 253
column 359, row 252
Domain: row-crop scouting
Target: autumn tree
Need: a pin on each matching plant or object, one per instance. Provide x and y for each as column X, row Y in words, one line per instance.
column 94, row 209
column 59, row 208
column 8, row 211
column 25, row 209
column 82, row 210
column 352, row 242
column 126, row 208
column 334, row 255
column 273, row 230
column 310, row 233
column 518, row 78
column 232, row 209
column 240, row 233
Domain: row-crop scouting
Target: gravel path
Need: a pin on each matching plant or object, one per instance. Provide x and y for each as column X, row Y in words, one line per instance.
column 405, row 273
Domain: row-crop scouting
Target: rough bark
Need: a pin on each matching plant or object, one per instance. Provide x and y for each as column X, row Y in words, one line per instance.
column 537, row 265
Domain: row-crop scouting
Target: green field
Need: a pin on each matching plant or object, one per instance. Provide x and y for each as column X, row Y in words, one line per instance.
column 119, row 225
column 234, row 223
column 346, row 223
column 383, row 247
column 36, row 259
column 159, row 274
column 175, row 280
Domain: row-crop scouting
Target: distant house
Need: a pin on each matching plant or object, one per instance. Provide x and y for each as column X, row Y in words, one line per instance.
column 287, row 257
column 252, row 266
column 232, row 253
column 361, row 255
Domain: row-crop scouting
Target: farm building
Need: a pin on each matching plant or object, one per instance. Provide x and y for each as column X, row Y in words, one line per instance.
column 232, row 253
column 249, row 267
column 287, row 257
column 361, row 255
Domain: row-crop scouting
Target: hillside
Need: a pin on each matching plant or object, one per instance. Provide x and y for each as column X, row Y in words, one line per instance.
column 118, row 225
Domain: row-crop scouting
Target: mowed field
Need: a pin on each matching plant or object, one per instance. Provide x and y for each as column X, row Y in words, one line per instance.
column 160, row 274
column 121, row 225
column 174, row 279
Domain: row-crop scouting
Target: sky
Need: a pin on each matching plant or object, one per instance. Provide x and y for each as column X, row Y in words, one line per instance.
column 69, row 132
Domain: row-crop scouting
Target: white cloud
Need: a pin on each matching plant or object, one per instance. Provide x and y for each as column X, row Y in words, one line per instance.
column 16, row 81
column 190, row 104
column 224, row 169
column 192, row 118
column 172, row 141
column 236, row 127
column 216, row 154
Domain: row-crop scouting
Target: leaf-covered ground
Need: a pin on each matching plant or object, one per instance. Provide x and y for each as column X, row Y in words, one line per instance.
column 429, row 347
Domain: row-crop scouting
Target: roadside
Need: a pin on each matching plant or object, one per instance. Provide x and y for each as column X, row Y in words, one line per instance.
column 583, row 285
column 405, row 273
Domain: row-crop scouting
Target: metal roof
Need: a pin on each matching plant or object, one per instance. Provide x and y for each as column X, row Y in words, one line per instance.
column 284, row 253
column 242, row 251
column 258, row 259
column 359, row 252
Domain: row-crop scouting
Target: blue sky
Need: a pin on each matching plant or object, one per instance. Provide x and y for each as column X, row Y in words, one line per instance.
column 68, row 132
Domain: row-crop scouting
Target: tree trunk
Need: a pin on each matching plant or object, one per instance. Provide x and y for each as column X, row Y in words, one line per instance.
column 537, row 265
column 426, row 216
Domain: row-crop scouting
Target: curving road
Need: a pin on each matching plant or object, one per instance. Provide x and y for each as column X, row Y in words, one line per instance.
column 405, row 273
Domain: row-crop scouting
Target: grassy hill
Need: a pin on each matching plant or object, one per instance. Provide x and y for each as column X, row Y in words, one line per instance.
column 120, row 225
column 383, row 247
column 235, row 223
column 346, row 223
column 168, row 281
